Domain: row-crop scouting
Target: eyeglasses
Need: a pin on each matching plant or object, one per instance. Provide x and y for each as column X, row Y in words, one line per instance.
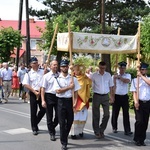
column 143, row 69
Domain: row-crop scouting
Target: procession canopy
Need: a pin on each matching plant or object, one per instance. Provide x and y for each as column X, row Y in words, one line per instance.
column 97, row 43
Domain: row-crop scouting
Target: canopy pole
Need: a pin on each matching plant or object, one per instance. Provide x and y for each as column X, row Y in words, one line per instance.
column 70, row 56
column 116, row 65
column 52, row 43
column 138, row 58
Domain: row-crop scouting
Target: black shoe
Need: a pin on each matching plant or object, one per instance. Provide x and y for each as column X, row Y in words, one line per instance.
column 137, row 143
column 35, row 133
column 53, row 138
column 73, row 136
column 81, row 134
column 64, row 147
column 97, row 135
column 115, row 131
column 143, row 144
column 128, row 133
column 102, row 135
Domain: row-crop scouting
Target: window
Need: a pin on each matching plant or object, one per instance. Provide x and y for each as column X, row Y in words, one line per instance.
column 33, row 44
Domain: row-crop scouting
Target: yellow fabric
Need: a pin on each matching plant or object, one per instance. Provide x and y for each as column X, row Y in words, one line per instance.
column 84, row 91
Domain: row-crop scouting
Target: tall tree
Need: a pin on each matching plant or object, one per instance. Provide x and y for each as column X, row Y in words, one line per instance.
column 9, row 39
column 145, row 38
column 126, row 14
column 87, row 14
column 47, row 35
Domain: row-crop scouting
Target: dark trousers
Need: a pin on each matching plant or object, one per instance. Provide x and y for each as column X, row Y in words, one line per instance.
column 65, row 118
column 20, row 89
column 141, row 124
column 1, row 93
column 121, row 101
column 51, row 102
column 35, row 116
column 98, row 100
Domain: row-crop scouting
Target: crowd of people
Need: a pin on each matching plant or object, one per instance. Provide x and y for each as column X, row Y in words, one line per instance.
column 64, row 97
column 11, row 82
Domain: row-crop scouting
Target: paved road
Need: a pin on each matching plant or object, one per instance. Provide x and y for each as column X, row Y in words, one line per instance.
column 16, row 134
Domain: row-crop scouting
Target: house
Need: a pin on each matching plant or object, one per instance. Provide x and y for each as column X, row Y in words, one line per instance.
column 35, row 36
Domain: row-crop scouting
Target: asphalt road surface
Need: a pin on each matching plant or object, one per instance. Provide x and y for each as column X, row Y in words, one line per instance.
column 16, row 134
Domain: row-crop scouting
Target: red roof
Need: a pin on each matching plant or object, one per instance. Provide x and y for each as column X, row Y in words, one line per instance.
column 21, row 52
column 34, row 33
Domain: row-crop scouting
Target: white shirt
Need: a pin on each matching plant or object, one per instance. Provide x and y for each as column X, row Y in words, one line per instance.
column 62, row 82
column 48, row 82
column 144, row 89
column 101, row 83
column 121, row 87
column 6, row 74
column 33, row 78
column 21, row 73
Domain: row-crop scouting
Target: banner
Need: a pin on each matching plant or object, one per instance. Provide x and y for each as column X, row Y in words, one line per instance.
column 97, row 43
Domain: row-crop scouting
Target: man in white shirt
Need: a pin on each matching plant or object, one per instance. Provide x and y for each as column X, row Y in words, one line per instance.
column 21, row 73
column 121, row 85
column 6, row 81
column 32, row 81
column 141, row 104
column 102, row 84
column 66, row 90
column 49, row 99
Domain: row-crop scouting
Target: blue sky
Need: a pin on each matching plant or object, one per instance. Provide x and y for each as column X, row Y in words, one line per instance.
column 9, row 9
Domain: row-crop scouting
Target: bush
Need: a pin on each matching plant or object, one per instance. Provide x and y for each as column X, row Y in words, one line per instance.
column 83, row 60
column 131, row 101
column 133, row 72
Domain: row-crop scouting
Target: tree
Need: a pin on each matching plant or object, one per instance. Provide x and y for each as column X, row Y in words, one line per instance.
column 48, row 33
column 126, row 14
column 144, row 41
column 145, row 38
column 9, row 39
column 87, row 14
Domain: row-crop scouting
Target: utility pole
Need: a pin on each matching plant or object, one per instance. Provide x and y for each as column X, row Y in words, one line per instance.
column 105, row 57
column 103, row 16
column 19, row 28
column 28, row 54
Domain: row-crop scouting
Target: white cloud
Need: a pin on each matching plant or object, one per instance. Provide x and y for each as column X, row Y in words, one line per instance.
column 9, row 9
